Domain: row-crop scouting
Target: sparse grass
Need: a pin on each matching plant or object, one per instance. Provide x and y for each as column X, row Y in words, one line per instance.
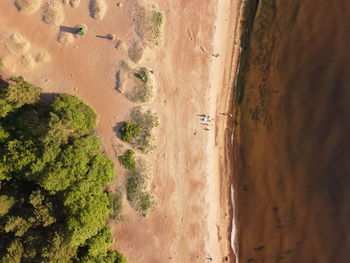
column 149, row 22
column 129, row 131
column 17, row 44
column 116, row 204
column 53, row 13
column 142, row 74
column 28, row 6
column 128, row 160
column 143, row 91
column 136, row 51
column 147, row 121
column 1, row 64
column 98, row 9
column 136, row 193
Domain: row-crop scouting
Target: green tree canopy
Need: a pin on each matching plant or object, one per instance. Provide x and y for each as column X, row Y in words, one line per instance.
column 53, row 206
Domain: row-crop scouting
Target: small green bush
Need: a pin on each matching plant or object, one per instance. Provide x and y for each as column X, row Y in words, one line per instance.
column 129, row 131
column 128, row 160
column 157, row 18
column 142, row 74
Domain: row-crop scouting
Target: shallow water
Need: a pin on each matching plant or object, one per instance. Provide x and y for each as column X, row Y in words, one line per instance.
column 293, row 178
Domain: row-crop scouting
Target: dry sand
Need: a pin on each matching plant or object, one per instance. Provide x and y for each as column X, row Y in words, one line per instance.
column 189, row 221
column 292, row 136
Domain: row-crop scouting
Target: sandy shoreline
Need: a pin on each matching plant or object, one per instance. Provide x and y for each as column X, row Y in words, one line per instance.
column 225, row 127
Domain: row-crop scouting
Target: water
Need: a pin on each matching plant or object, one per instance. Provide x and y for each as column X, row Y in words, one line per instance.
column 293, row 177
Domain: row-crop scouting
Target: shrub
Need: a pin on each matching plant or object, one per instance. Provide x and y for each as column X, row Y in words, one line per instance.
column 128, row 160
column 129, row 131
column 142, row 74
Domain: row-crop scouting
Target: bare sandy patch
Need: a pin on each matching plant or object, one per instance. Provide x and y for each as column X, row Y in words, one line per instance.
column 28, row 6
column 98, row 9
column 53, row 13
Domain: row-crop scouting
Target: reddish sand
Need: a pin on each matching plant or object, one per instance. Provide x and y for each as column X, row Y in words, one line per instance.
column 293, row 145
column 190, row 220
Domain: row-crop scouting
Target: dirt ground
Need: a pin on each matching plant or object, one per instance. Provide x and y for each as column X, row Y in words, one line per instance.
column 191, row 219
column 292, row 136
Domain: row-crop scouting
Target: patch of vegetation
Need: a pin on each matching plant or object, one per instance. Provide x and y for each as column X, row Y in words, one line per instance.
column 144, row 90
column 128, row 160
column 116, row 204
column 142, row 74
column 149, row 22
column 52, row 174
column 146, row 121
column 136, row 193
column 1, row 64
column 15, row 95
column 74, row 114
column 129, row 131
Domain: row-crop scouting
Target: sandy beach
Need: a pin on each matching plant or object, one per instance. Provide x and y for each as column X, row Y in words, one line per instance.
column 194, row 68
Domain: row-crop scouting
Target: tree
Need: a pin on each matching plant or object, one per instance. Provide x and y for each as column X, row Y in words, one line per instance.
column 6, row 202
column 14, row 252
column 76, row 115
column 17, row 94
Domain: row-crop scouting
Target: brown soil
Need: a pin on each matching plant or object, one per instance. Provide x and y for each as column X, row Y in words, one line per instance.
column 292, row 179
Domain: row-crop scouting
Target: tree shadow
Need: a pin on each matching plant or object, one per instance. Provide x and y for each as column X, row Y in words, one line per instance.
column 117, row 127
column 91, row 8
column 118, row 82
column 3, row 83
column 48, row 97
column 72, row 30
column 109, row 36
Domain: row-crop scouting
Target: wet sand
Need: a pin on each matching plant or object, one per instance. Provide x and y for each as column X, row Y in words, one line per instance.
column 292, row 144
